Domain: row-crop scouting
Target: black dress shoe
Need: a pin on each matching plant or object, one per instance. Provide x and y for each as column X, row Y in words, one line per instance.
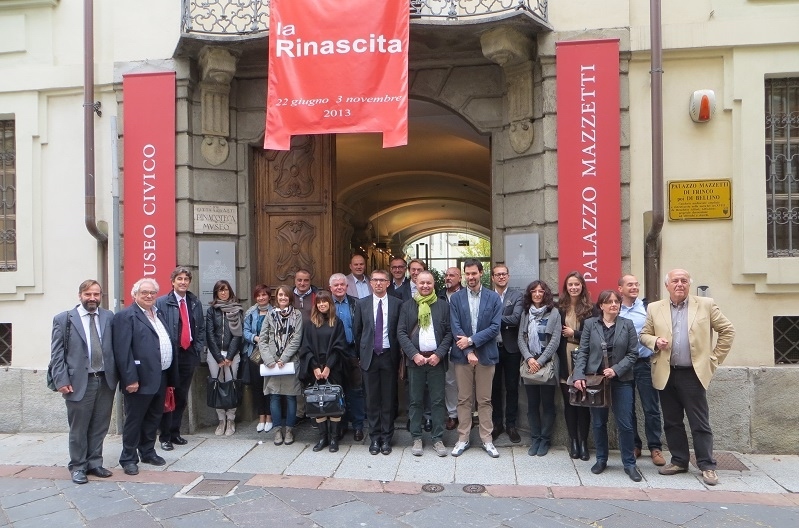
column 341, row 430
column 99, row 471
column 79, row 477
column 633, row 473
column 358, row 436
column 385, row 448
column 167, row 446
column 179, row 440
column 428, row 425
column 130, row 469
column 498, row 430
column 374, row 447
column 599, row 467
column 154, row 460
column 514, row 435
column 451, row 424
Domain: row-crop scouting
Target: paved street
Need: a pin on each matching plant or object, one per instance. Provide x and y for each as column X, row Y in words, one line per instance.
column 245, row 480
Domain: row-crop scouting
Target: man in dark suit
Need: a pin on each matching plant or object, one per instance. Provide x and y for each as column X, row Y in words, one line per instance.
column 475, row 315
column 83, row 370
column 425, row 339
column 178, row 307
column 507, row 370
column 375, row 330
column 145, row 359
column 400, row 286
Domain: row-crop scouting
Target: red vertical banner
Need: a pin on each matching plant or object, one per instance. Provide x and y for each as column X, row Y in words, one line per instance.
column 337, row 67
column 149, row 173
column 589, row 179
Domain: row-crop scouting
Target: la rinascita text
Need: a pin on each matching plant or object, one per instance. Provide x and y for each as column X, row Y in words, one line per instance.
column 292, row 48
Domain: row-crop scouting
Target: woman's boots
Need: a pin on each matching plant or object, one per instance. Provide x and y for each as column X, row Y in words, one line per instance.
column 324, row 438
column 334, row 426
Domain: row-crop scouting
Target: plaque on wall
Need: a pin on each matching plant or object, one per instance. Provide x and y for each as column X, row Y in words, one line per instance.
column 700, row 200
column 217, row 262
column 219, row 219
column 521, row 257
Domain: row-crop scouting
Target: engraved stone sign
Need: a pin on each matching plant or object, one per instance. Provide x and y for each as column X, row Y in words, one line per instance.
column 219, row 219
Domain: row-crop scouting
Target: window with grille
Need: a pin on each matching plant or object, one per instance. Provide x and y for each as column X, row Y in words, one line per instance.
column 5, row 344
column 782, row 166
column 8, row 197
column 786, row 340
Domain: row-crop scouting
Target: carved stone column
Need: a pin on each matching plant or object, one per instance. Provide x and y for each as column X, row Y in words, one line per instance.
column 514, row 52
column 217, row 68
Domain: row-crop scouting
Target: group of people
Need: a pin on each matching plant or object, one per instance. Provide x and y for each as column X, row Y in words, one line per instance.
column 458, row 350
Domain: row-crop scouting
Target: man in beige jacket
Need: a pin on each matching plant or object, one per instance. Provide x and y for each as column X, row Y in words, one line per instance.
column 680, row 332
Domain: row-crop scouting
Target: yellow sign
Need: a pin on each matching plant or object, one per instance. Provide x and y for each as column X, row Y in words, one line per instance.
column 700, row 200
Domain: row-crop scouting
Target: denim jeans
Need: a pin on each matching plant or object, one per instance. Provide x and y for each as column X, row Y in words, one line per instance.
column 275, row 403
column 356, row 410
column 650, row 403
column 621, row 399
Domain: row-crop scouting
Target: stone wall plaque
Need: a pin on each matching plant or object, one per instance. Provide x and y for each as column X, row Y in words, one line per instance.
column 217, row 261
column 219, row 219
column 521, row 257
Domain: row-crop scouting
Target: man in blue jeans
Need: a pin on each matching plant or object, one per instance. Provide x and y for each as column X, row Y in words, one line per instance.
column 633, row 308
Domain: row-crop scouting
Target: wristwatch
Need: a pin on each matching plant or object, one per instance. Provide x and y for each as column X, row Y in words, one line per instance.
column 471, row 343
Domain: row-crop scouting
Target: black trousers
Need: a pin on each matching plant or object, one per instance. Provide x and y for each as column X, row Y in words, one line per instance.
column 142, row 415
column 380, row 382
column 684, row 395
column 506, row 376
column 171, row 421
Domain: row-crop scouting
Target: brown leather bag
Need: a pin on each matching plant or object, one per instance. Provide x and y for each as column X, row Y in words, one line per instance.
column 597, row 387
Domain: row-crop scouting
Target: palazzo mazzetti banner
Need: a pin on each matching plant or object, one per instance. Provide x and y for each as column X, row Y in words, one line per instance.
column 337, row 67
column 149, row 191
column 589, row 180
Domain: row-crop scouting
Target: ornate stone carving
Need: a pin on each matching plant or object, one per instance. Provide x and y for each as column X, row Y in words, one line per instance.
column 293, row 168
column 217, row 66
column 294, row 240
column 514, row 52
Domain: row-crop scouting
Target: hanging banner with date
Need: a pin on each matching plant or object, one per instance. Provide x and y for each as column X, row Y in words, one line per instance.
column 337, row 67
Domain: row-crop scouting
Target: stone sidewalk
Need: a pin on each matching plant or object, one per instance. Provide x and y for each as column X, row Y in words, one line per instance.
column 245, row 480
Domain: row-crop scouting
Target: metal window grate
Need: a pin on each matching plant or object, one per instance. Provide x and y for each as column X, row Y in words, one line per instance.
column 5, row 344
column 786, row 340
column 8, row 197
column 782, row 166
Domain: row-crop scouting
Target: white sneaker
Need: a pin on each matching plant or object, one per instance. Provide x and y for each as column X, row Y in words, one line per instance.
column 459, row 448
column 418, row 448
column 491, row 450
column 260, row 427
column 268, row 427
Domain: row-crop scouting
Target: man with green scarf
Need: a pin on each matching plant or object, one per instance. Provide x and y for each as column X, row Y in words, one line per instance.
column 424, row 335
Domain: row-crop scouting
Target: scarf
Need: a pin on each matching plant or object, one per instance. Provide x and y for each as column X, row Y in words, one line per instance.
column 232, row 311
column 424, row 302
column 533, row 341
column 284, row 328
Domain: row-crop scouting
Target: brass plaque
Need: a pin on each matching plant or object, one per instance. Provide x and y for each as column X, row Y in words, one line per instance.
column 700, row 200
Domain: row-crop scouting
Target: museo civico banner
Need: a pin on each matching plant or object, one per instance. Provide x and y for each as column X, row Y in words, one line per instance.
column 337, row 67
column 589, row 179
column 149, row 189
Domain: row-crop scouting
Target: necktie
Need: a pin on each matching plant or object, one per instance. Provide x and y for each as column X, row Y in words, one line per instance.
column 185, row 331
column 379, row 328
column 96, row 347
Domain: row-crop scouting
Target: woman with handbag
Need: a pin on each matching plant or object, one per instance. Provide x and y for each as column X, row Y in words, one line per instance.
column 574, row 307
column 279, row 343
column 539, row 337
column 323, row 345
column 609, row 348
column 253, row 322
column 223, row 336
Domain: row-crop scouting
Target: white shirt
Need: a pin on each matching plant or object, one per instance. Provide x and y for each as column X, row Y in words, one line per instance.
column 163, row 338
column 375, row 300
column 85, row 321
column 427, row 339
column 179, row 298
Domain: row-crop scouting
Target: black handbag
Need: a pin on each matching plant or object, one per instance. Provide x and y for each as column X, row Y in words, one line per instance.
column 224, row 394
column 324, row 400
column 597, row 387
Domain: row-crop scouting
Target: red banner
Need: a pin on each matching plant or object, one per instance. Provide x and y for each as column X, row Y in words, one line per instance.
column 589, row 181
column 335, row 67
column 149, row 193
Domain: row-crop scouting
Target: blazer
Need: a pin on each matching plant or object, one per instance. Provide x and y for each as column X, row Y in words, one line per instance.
column 70, row 365
column 137, row 351
column 351, row 289
column 511, row 316
column 363, row 328
column 704, row 317
column 484, row 336
column 403, row 293
column 408, row 330
column 552, row 342
column 588, row 357
column 168, row 306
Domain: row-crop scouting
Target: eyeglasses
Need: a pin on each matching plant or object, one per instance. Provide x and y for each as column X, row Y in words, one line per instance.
column 398, row 267
column 378, row 280
column 145, row 293
column 500, row 274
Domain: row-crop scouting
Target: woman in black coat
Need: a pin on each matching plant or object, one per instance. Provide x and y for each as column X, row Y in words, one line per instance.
column 323, row 345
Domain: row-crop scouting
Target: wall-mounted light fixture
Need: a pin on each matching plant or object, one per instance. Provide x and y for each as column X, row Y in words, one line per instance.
column 702, row 105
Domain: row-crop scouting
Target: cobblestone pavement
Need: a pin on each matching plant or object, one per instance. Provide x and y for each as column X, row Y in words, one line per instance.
column 244, row 480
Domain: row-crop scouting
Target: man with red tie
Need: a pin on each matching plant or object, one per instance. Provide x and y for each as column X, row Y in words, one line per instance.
column 183, row 312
